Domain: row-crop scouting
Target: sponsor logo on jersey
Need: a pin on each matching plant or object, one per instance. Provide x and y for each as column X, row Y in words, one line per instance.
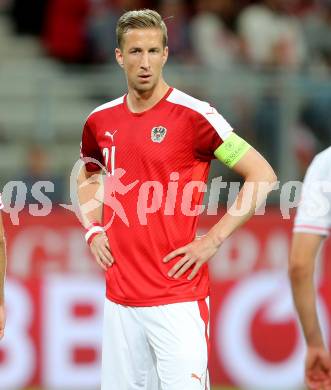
column 158, row 133
column 111, row 135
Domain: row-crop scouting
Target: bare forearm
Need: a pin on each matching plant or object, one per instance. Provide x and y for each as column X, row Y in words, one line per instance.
column 304, row 249
column 90, row 194
column 3, row 265
column 304, row 297
column 253, row 193
column 87, row 196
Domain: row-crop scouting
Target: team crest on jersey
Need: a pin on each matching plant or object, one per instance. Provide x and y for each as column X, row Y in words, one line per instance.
column 158, row 133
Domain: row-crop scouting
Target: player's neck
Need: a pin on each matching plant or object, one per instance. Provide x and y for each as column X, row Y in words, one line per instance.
column 141, row 101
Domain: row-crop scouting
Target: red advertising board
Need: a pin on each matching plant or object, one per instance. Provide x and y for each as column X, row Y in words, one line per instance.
column 55, row 293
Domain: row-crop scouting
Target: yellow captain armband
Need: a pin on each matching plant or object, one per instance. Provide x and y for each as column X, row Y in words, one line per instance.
column 232, row 150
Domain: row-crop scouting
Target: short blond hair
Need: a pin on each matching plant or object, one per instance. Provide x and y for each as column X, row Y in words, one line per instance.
column 143, row 18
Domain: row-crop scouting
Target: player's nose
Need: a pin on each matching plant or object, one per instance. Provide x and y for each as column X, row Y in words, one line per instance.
column 145, row 61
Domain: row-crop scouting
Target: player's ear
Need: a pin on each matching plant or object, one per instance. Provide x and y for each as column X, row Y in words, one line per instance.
column 165, row 54
column 119, row 57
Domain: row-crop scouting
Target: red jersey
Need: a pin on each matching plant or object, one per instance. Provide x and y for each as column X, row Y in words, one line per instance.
column 158, row 161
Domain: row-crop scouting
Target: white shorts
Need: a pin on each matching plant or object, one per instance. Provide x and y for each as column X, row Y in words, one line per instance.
column 155, row 348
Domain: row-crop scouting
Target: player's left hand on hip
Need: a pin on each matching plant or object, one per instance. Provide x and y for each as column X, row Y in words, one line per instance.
column 194, row 254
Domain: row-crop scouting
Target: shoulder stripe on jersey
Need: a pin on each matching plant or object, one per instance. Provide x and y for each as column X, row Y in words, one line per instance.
column 110, row 104
column 216, row 120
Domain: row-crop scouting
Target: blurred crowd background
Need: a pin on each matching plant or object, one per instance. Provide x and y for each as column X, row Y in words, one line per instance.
column 265, row 65
column 216, row 33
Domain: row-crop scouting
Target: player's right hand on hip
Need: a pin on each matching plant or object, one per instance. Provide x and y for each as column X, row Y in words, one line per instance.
column 318, row 369
column 100, row 249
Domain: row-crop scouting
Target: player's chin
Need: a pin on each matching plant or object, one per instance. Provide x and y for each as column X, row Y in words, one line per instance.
column 144, row 88
column 145, row 85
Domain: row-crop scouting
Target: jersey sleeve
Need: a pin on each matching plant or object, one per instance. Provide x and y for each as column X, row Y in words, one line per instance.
column 211, row 129
column 314, row 210
column 1, row 204
column 90, row 149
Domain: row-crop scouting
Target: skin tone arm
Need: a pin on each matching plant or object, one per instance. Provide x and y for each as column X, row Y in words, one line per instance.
column 3, row 263
column 88, row 185
column 301, row 272
column 254, row 169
